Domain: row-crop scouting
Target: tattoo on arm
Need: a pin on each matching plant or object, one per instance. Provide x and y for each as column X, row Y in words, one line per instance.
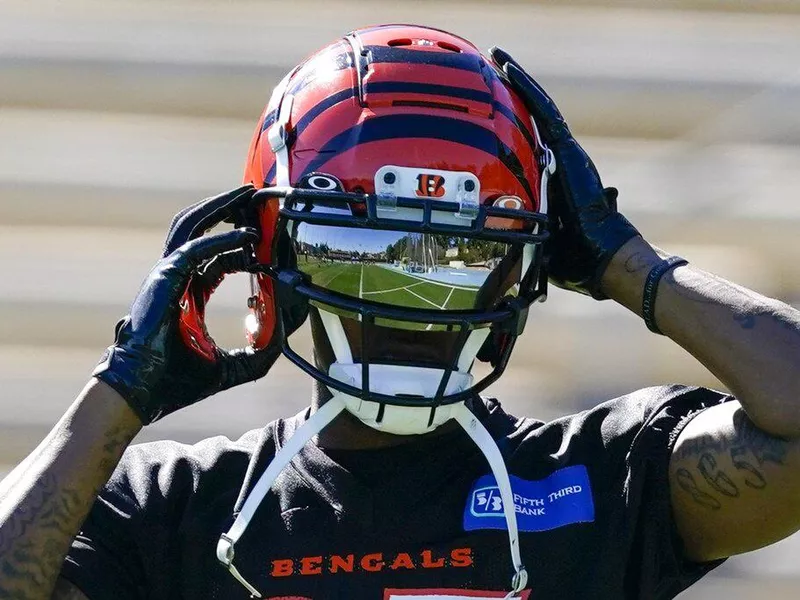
column 37, row 530
column 689, row 485
column 32, row 559
column 751, row 306
column 718, row 480
column 749, row 450
column 786, row 318
column 638, row 261
column 754, row 479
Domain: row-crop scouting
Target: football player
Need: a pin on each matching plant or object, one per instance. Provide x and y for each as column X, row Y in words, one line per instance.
column 411, row 199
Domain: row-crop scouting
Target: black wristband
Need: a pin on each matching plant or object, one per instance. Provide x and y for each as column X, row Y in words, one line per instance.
column 651, row 287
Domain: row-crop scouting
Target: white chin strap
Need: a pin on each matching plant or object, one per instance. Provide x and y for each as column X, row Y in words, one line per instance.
column 486, row 444
column 316, row 423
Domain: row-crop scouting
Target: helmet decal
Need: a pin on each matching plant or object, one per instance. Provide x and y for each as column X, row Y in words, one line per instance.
column 430, row 186
column 321, row 181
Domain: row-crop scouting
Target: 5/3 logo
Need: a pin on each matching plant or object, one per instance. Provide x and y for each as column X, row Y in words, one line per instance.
column 486, row 502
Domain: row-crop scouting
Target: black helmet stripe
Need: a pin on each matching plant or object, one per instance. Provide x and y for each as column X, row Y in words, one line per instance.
column 509, row 114
column 388, row 54
column 433, row 89
column 421, row 126
column 455, row 92
column 399, row 54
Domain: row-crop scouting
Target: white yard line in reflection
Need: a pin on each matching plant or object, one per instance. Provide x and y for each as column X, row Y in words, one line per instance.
column 407, row 288
column 446, row 300
column 330, row 281
column 423, row 298
column 397, row 289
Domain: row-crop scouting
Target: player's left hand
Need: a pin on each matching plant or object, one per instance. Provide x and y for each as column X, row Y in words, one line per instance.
column 163, row 358
column 586, row 229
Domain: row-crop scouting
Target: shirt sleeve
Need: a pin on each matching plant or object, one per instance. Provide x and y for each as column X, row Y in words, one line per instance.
column 104, row 560
column 663, row 569
column 121, row 552
column 103, row 566
column 134, row 539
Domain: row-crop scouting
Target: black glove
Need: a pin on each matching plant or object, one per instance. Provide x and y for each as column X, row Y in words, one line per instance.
column 586, row 230
column 150, row 364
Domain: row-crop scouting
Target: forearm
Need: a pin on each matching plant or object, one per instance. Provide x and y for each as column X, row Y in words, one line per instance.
column 44, row 501
column 751, row 343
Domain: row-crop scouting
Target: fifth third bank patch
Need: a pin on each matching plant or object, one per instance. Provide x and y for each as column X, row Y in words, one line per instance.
column 563, row 498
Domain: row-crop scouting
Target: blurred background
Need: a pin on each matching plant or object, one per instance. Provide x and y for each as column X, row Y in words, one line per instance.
column 115, row 114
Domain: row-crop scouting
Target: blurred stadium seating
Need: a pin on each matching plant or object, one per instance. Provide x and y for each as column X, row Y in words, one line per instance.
column 115, row 114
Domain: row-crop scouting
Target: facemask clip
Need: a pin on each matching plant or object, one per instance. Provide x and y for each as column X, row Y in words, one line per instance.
column 386, row 187
column 467, row 197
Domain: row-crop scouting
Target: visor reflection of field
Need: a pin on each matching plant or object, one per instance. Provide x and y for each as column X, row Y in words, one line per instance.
column 388, row 285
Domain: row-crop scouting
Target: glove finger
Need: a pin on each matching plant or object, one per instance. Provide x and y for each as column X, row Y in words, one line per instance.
column 576, row 171
column 612, row 194
column 193, row 220
column 505, row 61
column 177, row 219
column 500, row 58
column 178, row 268
column 246, row 364
column 213, row 272
column 169, row 279
column 234, row 261
column 545, row 113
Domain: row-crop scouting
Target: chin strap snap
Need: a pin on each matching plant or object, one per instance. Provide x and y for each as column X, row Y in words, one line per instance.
column 225, row 556
column 316, row 423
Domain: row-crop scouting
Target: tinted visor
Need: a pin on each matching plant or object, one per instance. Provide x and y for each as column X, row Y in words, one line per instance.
column 409, row 270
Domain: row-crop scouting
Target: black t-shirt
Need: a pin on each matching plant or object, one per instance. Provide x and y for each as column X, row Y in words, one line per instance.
column 591, row 496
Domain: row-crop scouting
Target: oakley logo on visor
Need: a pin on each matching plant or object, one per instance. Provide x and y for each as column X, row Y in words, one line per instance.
column 430, row 186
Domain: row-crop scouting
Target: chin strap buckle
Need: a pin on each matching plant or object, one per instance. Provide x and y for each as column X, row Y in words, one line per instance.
column 225, row 555
column 549, row 160
column 278, row 138
column 518, row 583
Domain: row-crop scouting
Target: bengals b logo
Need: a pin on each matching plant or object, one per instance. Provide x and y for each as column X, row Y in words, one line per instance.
column 430, row 186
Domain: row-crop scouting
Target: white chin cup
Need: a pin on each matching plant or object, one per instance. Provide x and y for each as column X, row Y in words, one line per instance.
column 394, row 380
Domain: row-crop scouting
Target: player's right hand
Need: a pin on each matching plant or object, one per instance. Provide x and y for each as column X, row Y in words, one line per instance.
column 150, row 364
